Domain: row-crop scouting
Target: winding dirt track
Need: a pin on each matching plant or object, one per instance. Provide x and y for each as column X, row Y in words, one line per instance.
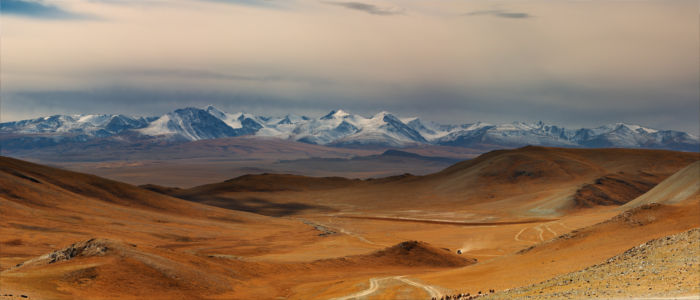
column 517, row 236
column 546, row 226
column 432, row 291
column 374, row 285
column 541, row 231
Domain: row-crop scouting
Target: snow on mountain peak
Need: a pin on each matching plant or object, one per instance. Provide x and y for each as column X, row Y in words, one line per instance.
column 382, row 114
column 335, row 114
column 215, row 111
column 638, row 128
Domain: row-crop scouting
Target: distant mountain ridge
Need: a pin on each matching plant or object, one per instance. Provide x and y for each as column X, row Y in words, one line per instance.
column 337, row 128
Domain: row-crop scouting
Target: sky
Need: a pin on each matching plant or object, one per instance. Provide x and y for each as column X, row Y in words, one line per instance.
column 578, row 63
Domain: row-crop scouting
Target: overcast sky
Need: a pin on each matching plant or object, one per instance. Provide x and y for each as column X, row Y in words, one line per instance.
column 573, row 63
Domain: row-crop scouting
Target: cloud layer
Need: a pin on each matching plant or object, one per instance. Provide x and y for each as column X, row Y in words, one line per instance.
column 37, row 10
column 577, row 63
column 368, row 8
column 499, row 13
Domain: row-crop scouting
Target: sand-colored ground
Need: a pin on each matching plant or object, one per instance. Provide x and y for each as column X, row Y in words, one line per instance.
column 663, row 267
column 67, row 235
column 677, row 188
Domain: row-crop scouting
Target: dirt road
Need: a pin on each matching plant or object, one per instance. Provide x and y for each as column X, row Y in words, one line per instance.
column 376, row 283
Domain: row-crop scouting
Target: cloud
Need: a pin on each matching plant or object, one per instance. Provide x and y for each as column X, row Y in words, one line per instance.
column 570, row 105
column 199, row 74
column 203, row 74
column 499, row 13
column 244, row 2
column 433, row 61
column 38, row 10
column 254, row 3
column 368, row 8
column 258, row 3
column 149, row 102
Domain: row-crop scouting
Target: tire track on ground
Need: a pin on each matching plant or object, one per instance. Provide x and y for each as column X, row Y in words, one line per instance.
column 373, row 287
column 539, row 232
column 546, row 226
column 517, row 236
column 375, row 284
column 432, row 291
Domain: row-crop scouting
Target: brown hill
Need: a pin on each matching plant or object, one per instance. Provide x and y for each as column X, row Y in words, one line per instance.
column 217, row 194
column 414, row 253
column 679, row 188
column 654, row 214
column 526, row 182
column 98, row 268
column 536, row 165
column 615, row 189
column 273, row 183
column 27, row 183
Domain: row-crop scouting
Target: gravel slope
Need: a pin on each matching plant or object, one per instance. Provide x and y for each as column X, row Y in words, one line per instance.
column 664, row 267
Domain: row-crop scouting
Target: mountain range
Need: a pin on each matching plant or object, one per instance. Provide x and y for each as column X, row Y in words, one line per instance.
column 337, row 128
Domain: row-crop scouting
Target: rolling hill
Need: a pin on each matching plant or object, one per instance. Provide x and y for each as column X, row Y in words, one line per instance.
column 521, row 183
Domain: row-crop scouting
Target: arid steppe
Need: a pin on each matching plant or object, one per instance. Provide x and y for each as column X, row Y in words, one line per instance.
column 530, row 222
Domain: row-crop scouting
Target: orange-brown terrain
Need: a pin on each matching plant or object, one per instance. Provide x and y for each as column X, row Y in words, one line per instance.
column 530, row 222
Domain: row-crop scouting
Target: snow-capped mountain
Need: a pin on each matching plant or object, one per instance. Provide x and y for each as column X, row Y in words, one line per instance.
column 189, row 123
column 342, row 129
column 632, row 136
column 512, row 135
column 337, row 128
column 90, row 125
column 242, row 124
column 381, row 129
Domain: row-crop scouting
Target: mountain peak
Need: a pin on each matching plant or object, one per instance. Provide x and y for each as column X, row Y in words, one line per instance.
column 335, row 114
column 383, row 114
column 631, row 127
column 212, row 108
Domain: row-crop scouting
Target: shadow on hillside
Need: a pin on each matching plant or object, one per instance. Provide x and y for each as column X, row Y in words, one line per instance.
column 261, row 206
